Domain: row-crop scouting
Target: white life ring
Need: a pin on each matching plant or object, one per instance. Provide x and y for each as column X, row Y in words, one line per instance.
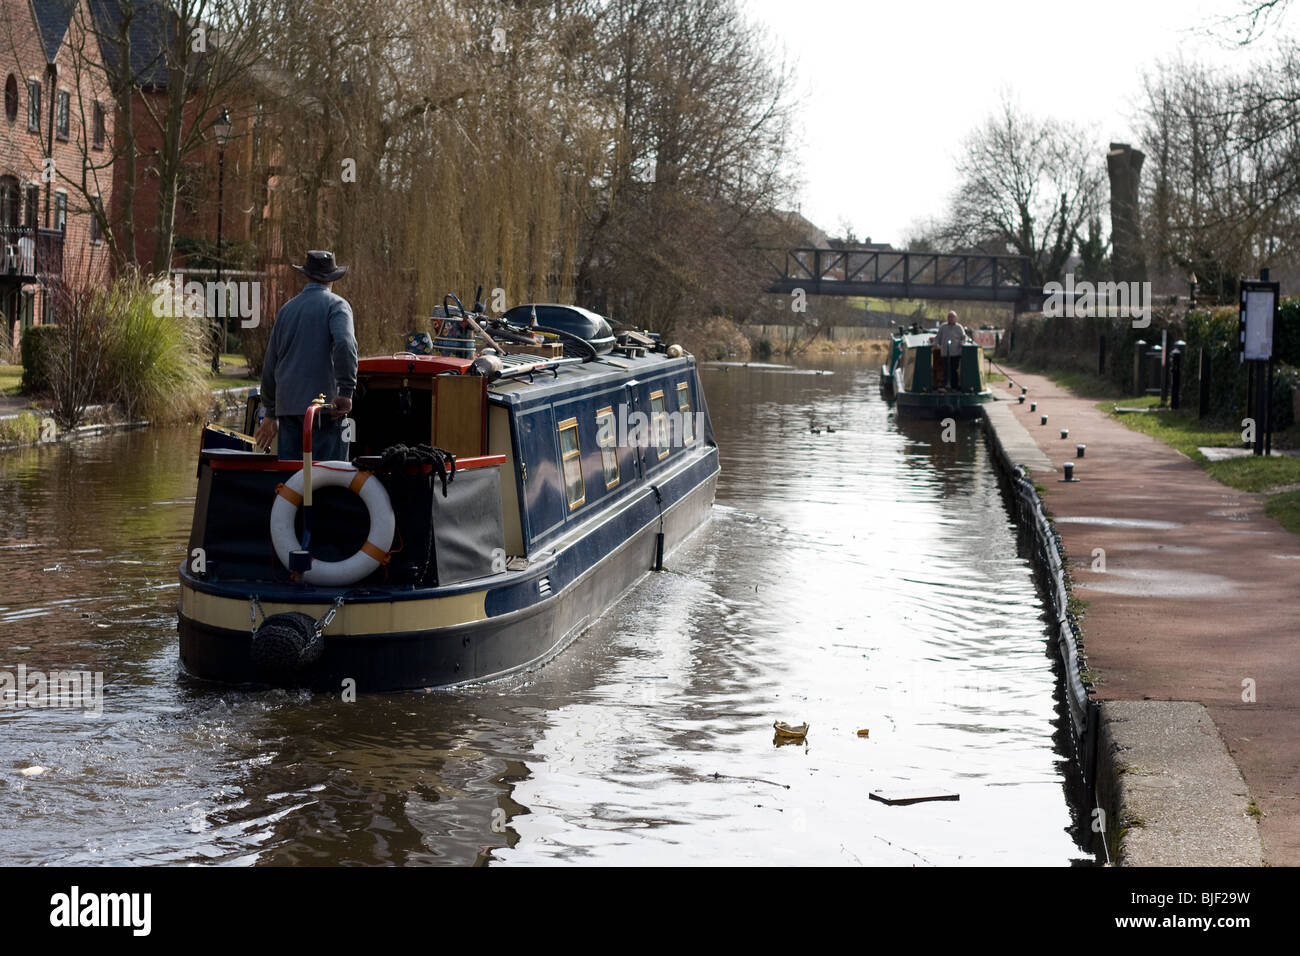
column 335, row 474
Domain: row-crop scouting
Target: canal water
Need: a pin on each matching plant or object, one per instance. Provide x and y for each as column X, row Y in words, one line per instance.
column 859, row 578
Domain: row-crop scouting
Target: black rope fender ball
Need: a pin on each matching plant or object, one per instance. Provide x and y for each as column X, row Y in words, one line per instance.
column 285, row 644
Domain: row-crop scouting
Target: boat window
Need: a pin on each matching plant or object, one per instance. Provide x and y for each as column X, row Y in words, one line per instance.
column 607, row 439
column 571, row 459
column 684, row 406
column 659, row 422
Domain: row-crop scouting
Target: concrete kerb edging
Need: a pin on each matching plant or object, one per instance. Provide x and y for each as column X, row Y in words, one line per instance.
column 1157, row 772
column 229, row 397
column 1173, row 793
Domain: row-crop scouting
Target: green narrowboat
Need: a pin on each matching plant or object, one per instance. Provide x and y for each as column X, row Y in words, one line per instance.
column 917, row 375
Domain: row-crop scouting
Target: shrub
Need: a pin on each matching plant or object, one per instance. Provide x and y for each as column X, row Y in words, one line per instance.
column 36, row 343
column 718, row 338
column 74, row 360
column 23, row 429
column 156, row 365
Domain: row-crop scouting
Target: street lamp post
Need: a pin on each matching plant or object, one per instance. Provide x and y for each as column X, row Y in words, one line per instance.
column 222, row 129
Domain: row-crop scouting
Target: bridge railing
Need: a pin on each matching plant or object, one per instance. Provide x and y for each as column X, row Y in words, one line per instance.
column 899, row 274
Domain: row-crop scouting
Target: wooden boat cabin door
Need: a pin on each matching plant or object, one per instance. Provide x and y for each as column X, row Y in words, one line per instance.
column 460, row 414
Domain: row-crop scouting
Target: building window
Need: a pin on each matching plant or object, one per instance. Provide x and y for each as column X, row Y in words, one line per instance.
column 11, row 98
column 684, row 406
column 9, row 199
column 96, row 210
column 62, row 105
column 607, row 439
column 34, row 105
column 101, row 126
column 571, row 460
column 60, row 211
column 32, row 206
column 659, row 423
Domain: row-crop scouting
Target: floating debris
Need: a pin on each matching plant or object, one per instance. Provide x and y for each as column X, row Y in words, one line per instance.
column 723, row 776
column 903, row 797
column 33, row 771
column 866, row 732
column 790, row 731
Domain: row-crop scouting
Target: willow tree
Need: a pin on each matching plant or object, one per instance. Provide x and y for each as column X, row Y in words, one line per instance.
column 426, row 143
column 436, row 146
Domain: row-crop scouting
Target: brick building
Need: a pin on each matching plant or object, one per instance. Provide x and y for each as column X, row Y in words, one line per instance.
column 58, row 121
column 152, row 28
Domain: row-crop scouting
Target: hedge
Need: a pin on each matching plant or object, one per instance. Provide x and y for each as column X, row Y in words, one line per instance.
column 36, row 343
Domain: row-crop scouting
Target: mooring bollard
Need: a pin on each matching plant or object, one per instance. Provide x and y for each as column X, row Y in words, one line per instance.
column 1021, row 399
column 1065, row 433
column 1033, row 406
column 1069, row 471
column 1044, row 421
column 1079, row 450
column 1023, row 389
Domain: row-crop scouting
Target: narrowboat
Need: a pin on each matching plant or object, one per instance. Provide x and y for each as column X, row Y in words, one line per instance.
column 492, row 509
column 887, row 370
column 917, row 379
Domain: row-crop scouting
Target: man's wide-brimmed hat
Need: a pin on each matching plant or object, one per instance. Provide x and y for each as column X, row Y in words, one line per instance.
column 320, row 266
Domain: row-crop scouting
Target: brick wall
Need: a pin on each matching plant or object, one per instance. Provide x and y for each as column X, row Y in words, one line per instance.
column 76, row 72
column 196, row 206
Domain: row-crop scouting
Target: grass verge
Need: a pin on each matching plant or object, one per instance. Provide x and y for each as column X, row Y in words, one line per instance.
column 1174, row 428
column 11, row 380
column 1284, row 508
column 1277, row 477
column 234, row 372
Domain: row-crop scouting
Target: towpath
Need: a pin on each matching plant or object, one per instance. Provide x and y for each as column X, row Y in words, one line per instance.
column 1197, row 600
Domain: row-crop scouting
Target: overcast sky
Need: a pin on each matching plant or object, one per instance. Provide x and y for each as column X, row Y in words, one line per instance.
column 890, row 89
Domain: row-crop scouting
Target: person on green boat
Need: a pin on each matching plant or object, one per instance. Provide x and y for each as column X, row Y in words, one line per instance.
column 949, row 339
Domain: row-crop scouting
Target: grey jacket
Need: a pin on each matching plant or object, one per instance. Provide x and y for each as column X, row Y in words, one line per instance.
column 312, row 351
column 949, row 338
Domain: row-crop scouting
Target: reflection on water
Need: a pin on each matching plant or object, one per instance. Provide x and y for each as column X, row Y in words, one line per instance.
column 861, row 578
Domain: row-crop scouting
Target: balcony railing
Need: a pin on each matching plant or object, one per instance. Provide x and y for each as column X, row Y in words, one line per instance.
column 30, row 253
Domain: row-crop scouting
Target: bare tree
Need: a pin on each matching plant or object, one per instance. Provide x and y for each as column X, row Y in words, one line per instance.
column 74, row 363
column 1028, row 187
column 1223, row 195
column 1251, row 20
column 697, row 111
column 169, row 66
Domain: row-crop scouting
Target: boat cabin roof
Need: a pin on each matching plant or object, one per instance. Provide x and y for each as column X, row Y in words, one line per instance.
column 605, row 370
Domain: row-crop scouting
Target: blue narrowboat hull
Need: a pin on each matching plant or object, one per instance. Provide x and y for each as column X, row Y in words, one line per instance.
column 526, row 620
column 571, row 559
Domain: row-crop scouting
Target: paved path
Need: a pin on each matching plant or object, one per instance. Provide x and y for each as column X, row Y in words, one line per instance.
column 13, row 404
column 1198, row 599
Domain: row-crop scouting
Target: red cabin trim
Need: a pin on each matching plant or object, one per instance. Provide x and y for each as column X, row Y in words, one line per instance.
column 480, row 461
column 252, row 463
column 408, row 363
